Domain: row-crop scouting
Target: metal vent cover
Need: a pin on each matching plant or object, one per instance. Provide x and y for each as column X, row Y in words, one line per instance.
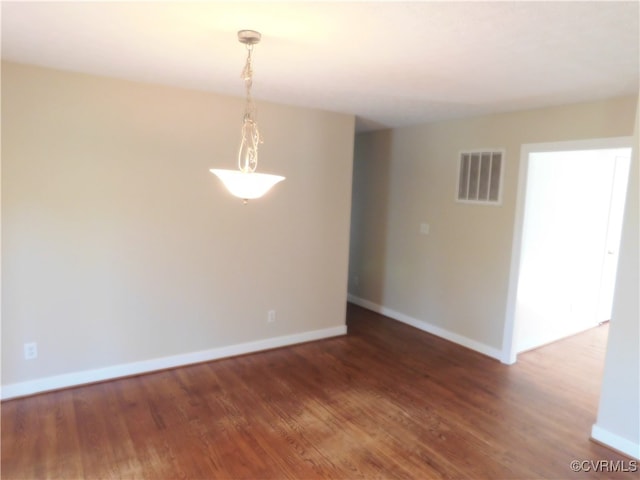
column 480, row 175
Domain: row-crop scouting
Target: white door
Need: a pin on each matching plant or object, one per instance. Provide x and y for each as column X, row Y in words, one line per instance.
column 614, row 231
column 564, row 244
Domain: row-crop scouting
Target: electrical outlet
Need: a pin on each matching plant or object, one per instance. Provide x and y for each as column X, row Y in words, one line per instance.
column 30, row 351
column 271, row 316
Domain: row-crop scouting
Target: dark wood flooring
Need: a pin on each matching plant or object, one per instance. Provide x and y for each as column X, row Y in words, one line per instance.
column 385, row 401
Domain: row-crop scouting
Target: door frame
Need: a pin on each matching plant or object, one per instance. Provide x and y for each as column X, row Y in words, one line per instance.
column 509, row 353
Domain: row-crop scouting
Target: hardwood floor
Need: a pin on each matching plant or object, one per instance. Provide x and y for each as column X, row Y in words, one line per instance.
column 385, row 401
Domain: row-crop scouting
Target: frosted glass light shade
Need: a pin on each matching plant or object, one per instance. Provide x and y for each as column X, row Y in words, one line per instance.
column 246, row 185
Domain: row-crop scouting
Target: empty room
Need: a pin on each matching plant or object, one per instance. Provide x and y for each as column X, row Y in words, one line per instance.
column 320, row 240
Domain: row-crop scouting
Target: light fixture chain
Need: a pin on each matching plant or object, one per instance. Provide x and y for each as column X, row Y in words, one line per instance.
column 248, row 152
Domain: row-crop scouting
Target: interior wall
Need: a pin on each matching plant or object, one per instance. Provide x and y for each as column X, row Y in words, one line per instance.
column 119, row 246
column 618, row 423
column 455, row 279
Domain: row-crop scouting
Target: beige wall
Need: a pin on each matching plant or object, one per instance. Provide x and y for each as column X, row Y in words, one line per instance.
column 456, row 278
column 119, row 246
column 618, row 422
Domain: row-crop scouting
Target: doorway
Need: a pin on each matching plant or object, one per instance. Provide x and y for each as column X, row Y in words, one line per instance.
column 568, row 222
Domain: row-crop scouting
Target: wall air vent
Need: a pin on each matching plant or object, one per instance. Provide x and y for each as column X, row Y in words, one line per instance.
column 480, row 177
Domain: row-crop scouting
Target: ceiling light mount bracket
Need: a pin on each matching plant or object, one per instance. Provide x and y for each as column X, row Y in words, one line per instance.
column 249, row 37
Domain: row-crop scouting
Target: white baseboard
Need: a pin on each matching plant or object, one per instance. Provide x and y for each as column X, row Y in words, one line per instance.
column 66, row 380
column 428, row 327
column 615, row 442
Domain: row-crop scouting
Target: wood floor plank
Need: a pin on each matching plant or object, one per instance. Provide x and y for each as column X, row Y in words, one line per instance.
column 59, row 432
column 385, row 401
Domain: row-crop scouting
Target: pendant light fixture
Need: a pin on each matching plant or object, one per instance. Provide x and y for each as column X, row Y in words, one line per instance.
column 246, row 183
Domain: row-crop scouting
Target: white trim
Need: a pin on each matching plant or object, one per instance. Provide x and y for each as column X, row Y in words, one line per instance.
column 83, row 377
column 576, row 145
column 427, row 327
column 509, row 354
column 616, row 442
column 374, row 307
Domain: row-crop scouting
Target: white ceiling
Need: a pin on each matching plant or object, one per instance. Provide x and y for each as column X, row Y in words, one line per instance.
column 390, row 63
